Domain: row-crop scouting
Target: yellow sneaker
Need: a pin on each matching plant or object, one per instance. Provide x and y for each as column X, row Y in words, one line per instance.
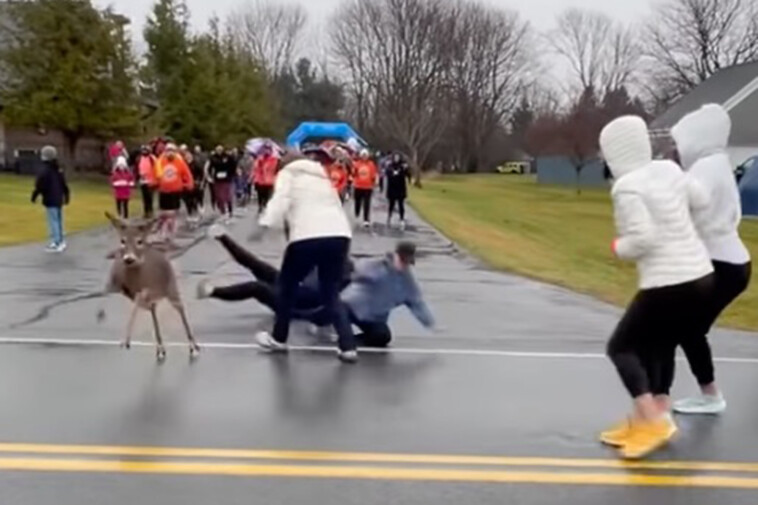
column 616, row 436
column 646, row 437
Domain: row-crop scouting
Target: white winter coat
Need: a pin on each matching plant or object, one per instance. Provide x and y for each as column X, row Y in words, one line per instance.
column 652, row 202
column 305, row 199
column 701, row 138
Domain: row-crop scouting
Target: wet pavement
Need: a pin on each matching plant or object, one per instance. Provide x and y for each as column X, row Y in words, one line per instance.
column 502, row 404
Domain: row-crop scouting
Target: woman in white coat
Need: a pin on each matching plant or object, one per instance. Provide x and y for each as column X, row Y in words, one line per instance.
column 701, row 139
column 319, row 236
column 652, row 202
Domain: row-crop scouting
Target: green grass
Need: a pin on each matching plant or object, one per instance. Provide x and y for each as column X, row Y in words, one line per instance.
column 21, row 221
column 550, row 234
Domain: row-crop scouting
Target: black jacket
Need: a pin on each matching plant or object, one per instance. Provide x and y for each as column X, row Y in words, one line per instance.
column 398, row 176
column 222, row 167
column 51, row 184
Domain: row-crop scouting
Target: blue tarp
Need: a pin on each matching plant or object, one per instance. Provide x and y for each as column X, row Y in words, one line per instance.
column 321, row 131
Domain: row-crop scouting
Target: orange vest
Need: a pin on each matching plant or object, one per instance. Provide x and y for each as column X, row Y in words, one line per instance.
column 364, row 174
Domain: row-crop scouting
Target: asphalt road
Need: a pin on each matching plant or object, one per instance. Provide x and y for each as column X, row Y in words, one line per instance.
column 502, row 406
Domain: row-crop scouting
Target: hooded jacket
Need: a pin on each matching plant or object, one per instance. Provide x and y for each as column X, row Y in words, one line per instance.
column 51, row 185
column 652, row 202
column 701, row 138
column 305, row 199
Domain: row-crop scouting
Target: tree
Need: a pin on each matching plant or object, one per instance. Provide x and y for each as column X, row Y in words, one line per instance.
column 271, row 32
column 68, row 66
column 690, row 40
column 305, row 94
column 601, row 54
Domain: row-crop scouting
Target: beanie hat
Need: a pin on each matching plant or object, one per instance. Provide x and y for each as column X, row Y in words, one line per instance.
column 49, row 153
column 625, row 144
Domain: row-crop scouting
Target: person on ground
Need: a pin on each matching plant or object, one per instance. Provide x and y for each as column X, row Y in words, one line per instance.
column 264, row 177
column 222, row 170
column 51, row 185
column 701, row 139
column 319, row 237
column 148, row 180
column 122, row 182
column 365, row 174
column 174, row 179
column 652, row 202
column 398, row 176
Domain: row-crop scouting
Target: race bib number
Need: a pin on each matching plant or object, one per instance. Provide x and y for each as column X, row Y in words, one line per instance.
column 221, row 175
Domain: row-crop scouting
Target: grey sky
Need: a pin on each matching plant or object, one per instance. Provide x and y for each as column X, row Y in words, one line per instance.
column 540, row 12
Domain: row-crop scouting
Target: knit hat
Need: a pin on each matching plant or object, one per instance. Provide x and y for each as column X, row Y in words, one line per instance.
column 49, row 153
column 626, row 145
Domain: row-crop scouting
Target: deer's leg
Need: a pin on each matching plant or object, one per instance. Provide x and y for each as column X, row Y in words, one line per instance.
column 127, row 343
column 160, row 349
column 194, row 348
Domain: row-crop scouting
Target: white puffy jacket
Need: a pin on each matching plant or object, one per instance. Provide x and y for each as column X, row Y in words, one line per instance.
column 305, row 199
column 701, row 138
column 652, row 201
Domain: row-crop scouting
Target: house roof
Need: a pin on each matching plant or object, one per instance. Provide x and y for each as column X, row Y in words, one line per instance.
column 736, row 88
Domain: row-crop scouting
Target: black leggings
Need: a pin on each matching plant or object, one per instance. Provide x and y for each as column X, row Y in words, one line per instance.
column 400, row 202
column 643, row 346
column 122, row 208
column 264, row 194
column 363, row 203
column 730, row 281
column 147, row 200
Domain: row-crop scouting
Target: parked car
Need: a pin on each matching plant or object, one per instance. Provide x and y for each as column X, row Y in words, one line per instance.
column 514, row 167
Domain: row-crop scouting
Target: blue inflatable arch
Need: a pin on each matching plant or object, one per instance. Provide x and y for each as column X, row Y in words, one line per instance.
column 322, row 131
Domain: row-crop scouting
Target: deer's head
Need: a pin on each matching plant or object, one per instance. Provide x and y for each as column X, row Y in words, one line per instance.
column 133, row 239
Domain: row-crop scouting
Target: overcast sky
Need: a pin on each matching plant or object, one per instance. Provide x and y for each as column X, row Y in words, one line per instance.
column 539, row 12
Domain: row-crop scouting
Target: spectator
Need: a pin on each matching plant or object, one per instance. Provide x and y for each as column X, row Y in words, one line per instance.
column 122, row 181
column 51, row 185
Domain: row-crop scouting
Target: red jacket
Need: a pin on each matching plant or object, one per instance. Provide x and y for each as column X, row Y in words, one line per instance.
column 338, row 175
column 122, row 182
column 364, row 174
column 264, row 172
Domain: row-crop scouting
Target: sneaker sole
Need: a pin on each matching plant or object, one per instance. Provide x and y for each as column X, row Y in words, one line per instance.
column 700, row 412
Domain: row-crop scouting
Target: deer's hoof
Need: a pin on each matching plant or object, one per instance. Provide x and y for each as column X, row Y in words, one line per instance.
column 161, row 355
column 194, row 352
column 126, row 345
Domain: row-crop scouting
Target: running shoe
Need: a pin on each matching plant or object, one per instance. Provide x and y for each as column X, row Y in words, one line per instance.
column 403, row 225
column 268, row 343
column 646, row 437
column 61, row 247
column 217, row 231
column 701, row 405
column 204, row 290
column 366, row 225
column 51, row 248
column 617, row 435
column 349, row 357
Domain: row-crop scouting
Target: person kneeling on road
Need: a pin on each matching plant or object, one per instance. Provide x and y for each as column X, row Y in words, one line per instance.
column 375, row 288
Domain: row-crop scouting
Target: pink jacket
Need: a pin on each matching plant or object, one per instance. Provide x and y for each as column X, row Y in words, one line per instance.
column 122, row 182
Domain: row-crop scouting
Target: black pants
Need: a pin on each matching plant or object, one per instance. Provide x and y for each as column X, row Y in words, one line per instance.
column 363, row 203
column 263, row 194
column 400, row 203
column 147, row 200
column 327, row 255
column 643, row 346
column 212, row 192
column 190, row 202
column 122, row 208
column 730, row 281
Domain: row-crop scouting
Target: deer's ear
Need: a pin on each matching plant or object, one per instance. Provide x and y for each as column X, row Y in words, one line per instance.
column 115, row 221
column 148, row 225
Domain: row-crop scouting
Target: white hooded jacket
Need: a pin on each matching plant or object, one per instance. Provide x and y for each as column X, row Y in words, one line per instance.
column 305, row 199
column 701, row 138
column 652, row 202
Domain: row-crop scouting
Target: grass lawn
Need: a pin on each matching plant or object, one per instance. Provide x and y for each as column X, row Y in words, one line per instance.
column 550, row 234
column 21, row 221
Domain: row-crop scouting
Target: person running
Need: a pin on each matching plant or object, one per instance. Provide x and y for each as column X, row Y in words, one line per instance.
column 147, row 180
column 190, row 194
column 222, row 170
column 365, row 174
column 371, row 290
column 319, row 237
column 197, row 167
column 174, row 178
column 701, row 139
column 397, row 178
column 264, row 176
column 122, row 181
column 652, row 202
column 338, row 174
column 51, row 185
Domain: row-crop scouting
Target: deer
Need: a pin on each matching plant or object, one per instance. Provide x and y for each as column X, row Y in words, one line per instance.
column 143, row 273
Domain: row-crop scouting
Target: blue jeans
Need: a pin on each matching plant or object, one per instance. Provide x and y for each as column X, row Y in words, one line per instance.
column 55, row 224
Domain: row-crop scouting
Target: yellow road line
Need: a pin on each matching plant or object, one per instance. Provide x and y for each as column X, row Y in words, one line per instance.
column 357, row 457
column 371, row 473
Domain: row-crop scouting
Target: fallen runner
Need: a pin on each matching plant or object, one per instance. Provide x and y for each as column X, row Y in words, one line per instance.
column 372, row 288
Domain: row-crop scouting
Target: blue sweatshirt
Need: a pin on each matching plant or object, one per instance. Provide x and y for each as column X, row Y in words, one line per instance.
column 377, row 287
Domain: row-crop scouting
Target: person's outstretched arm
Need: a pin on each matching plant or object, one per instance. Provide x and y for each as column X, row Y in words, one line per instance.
column 419, row 308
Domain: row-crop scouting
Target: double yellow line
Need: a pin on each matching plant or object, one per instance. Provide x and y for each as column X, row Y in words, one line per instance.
column 343, row 465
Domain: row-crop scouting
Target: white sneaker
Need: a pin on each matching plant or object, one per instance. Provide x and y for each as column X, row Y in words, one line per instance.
column 51, row 248
column 703, row 404
column 204, row 289
column 217, row 231
column 403, row 225
column 267, row 343
column 366, row 225
column 349, row 357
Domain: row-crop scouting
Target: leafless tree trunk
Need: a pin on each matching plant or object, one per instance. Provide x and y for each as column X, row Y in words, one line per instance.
column 690, row 40
column 270, row 31
column 601, row 54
